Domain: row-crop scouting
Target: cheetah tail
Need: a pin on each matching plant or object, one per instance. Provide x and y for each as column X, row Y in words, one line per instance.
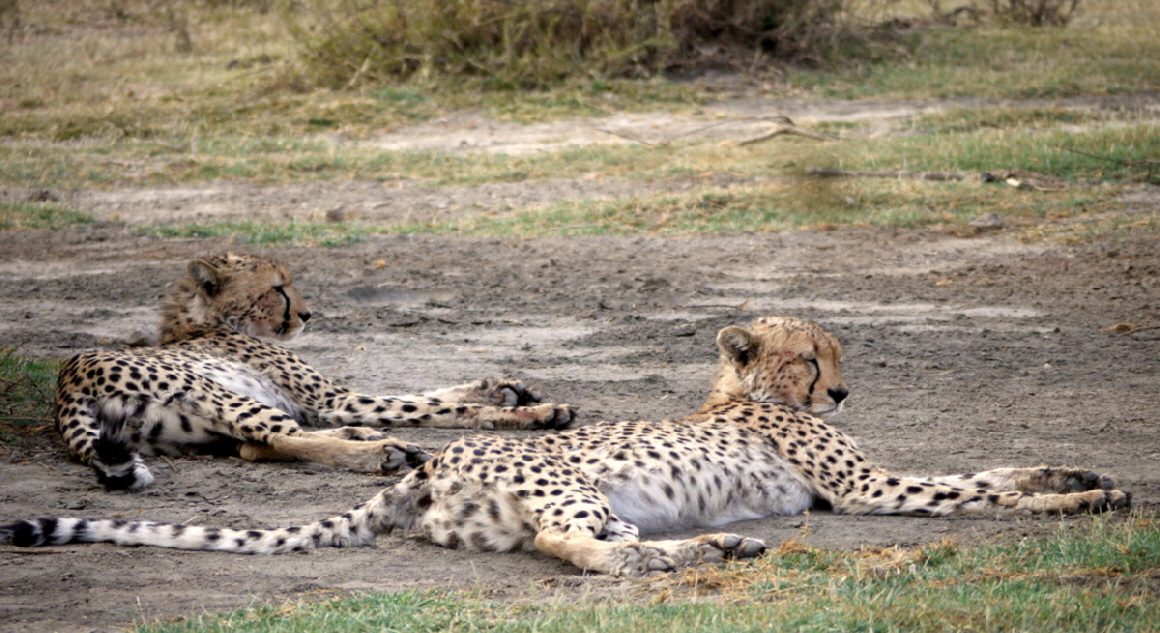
column 118, row 466
column 354, row 528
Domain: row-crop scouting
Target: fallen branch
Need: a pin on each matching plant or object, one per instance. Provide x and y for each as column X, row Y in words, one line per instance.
column 631, row 138
column 917, row 175
column 788, row 129
column 1124, row 329
column 249, row 73
column 359, row 72
column 1129, row 163
column 719, row 123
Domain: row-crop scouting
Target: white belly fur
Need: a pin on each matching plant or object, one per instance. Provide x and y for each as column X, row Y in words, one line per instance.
column 244, row 381
column 641, row 497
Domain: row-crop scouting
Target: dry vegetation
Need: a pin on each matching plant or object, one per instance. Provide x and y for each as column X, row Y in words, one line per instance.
column 103, row 94
column 541, row 43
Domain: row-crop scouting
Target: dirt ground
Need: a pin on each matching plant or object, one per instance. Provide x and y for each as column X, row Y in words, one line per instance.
column 962, row 354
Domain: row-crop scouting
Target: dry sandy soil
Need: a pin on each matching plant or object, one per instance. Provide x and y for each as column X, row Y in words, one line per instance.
column 962, row 354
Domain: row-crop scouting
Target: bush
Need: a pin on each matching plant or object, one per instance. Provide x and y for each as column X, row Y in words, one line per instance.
column 1025, row 12
column 540, row 42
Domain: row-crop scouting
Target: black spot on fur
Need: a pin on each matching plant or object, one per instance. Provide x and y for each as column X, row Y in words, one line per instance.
column 23, row 534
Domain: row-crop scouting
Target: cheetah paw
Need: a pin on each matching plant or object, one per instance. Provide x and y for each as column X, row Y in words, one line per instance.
column 541, row 416
column 717, row 548
column 382, row 457
column 554, row 416
column 1081, row 480
column 400, row 456
column 1105, row 500
column 638, row 559
column 503, row 393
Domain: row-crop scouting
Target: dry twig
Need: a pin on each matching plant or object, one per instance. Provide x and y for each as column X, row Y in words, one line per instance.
column 788, row 129
column 1150, row 164
column 917, row 175
column 1124, row 329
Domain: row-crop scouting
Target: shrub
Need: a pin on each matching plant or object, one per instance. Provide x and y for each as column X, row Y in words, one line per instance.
column 1025, row 12
column 540, row 42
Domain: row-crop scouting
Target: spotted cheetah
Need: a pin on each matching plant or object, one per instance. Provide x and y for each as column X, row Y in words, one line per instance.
column 213, row 386
column 754, row 449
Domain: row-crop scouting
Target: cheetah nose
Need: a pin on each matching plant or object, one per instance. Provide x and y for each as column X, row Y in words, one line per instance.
column 838, row 394
column 305, row 316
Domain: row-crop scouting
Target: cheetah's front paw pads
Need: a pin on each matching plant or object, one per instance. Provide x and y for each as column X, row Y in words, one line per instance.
column 637, row 559
column 717, row 548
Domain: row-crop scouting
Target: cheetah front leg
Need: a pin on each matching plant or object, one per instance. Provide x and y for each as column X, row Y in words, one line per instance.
column 881, row 493
column 643, row 557
column 268, row 433
column 356, row 410
column 484, row 404
column 494, row 391
column 1041, row 479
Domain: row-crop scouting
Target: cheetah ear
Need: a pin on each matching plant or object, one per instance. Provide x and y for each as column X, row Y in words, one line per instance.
column 207, row 276
column 736, row 344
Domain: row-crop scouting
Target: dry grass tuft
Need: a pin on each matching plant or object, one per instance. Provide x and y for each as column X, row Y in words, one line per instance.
column 350, row 42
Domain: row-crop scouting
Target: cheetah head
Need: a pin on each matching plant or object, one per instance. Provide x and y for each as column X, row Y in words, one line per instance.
column 784, row 360
column 244, row 293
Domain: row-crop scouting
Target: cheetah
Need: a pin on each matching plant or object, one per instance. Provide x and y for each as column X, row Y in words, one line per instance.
column 213, row 386
column 755, row 449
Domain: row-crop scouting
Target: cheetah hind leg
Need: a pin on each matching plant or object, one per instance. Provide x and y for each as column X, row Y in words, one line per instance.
column 644, row 557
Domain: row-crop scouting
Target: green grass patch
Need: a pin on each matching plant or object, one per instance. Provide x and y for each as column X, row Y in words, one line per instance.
column 305, row 233
column 962, row 140
column 1103, row 163
column 1002, row 118
column 1113, row 47
column 1089, row 576
column 27, row 386
column 797, row 204
column 24, row 216
column 1115, row 151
